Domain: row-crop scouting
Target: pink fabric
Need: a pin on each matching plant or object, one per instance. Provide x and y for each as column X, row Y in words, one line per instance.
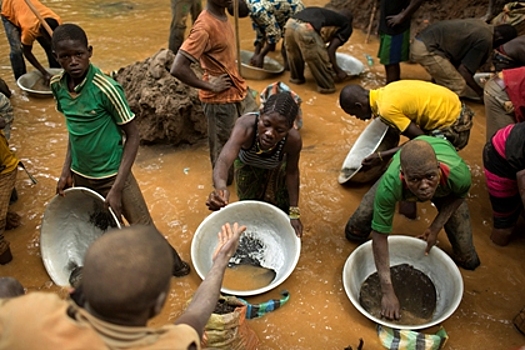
column 500, row 139
column 499, row 186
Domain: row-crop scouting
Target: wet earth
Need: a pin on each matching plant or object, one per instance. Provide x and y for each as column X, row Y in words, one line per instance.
column 176, row 182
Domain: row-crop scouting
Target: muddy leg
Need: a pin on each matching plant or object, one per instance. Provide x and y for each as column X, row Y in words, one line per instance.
column 359, row 225
column 459, row 233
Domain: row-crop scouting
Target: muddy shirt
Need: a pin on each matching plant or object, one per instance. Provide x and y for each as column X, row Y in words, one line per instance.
column 8, row 161
column 212, row 43
column 18, row 13
column 454, row 180
column 44, row 321
column 427, row 105
column 93, row 115
column 509, row 142
column 392, row 8
column 462, row 41
column 320, row 17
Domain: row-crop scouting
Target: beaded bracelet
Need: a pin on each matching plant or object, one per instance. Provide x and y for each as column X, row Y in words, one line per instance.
column 295, row 213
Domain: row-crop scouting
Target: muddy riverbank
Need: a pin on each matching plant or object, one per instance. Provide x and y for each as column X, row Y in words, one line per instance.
column 176, row 181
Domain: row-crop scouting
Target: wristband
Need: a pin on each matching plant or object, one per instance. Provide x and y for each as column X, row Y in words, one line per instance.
column 295, row 213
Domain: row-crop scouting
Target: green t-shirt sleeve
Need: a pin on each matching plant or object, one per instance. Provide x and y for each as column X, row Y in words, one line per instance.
column 385, row 204
column 55, row 87
column 460, row 180
column 115, row 101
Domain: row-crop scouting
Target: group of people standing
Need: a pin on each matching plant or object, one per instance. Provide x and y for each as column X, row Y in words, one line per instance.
column 260, row 149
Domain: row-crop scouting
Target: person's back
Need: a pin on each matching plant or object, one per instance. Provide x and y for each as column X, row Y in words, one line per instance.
column 427, row 105
column 466, row 41
column 510, row 55
column 126, row 280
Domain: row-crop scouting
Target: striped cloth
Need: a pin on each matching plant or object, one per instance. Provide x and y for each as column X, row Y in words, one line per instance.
column 259, row 310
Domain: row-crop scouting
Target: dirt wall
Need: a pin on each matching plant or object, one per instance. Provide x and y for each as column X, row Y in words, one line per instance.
column 167, row 111
column 430, row 11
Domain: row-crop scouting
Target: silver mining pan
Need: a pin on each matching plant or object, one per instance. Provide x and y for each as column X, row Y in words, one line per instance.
column 70, row 225
column 377, row 136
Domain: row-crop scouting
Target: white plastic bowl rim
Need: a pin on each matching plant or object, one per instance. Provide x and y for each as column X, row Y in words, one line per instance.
column 52, row 258
column 435, row 253
column 279, row 216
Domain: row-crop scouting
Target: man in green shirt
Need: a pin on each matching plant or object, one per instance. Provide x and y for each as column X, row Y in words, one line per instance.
column 426, row 168
column 97, row 117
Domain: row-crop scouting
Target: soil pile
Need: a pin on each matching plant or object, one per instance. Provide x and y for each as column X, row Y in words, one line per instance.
column 167, row 111
column 430, row 11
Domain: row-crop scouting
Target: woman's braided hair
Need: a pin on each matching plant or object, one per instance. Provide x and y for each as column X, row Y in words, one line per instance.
column 283, row 104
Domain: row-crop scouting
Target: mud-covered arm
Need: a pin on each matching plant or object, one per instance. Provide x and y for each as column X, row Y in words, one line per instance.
column 28, row 53
column 469, row 79
column 65, row 180
column 293, row 151
column 203, row 303
column 390, row 307
column 404, row 15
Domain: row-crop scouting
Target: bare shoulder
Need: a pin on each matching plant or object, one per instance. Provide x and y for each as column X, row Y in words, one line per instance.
column 294, row 142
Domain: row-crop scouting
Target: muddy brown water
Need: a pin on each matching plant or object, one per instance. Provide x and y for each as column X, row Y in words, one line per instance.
column 415, row 291
column 319, row 315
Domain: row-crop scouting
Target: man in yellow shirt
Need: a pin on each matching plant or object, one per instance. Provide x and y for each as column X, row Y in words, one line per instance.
column 22, row 28
column 413, row 108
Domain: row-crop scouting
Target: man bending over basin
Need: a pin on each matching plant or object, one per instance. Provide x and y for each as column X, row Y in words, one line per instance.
column 426, row 168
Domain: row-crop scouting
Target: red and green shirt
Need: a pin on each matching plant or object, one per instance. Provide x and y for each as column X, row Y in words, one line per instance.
column 454, row 180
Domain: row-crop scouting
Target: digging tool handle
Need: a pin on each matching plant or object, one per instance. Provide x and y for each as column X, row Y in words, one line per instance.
column 40, row 18
column 372, row 16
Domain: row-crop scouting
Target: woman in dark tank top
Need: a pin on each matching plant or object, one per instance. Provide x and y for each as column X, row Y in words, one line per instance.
column 265, row 152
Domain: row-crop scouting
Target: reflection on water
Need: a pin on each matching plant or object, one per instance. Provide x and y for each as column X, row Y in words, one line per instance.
column 246, row 277
column 176, row 182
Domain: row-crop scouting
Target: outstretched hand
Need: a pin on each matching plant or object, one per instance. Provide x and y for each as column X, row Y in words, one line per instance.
column 430, row 237
column 218, row 199
column 228, row 240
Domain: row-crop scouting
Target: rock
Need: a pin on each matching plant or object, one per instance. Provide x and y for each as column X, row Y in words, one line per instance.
column 167, row 111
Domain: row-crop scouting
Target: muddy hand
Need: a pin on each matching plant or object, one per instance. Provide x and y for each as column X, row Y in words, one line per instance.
column 257, row 61
column 64, row 182
column 390, row 307
column 114, row 201
column 431, row 239
column 298, row 227
column 228, row 240
column 218, row 199
column 371, row 160
column 220, row 83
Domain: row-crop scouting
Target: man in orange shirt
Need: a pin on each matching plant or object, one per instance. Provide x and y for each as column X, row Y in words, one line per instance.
column 22, row 28
column 223, row 92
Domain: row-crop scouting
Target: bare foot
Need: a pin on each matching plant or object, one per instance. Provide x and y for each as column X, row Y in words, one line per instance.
column 501, row 236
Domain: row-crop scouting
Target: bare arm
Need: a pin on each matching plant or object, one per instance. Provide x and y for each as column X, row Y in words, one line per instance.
column 404, row 15
column 28, row 53
column 335, row 43
column 203, row 303
column 520, row 177
column 390, row 307
column 467, row 75
column 131, row 146
column 65, row 180
column 293, row 152
column 450, row 205
column 181, row 69
column 219, row 197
